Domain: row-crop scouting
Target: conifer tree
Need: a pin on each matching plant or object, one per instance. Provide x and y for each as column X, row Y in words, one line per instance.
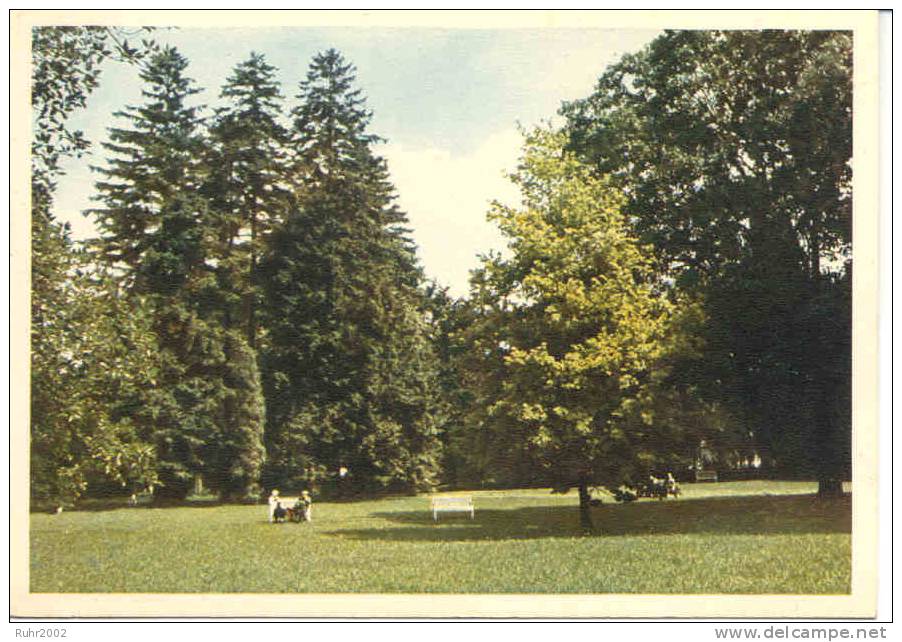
column 235, row 453
column 157, row 227
column 152, row 228
column 246, row 196
column 349, row 372
column 246, row 184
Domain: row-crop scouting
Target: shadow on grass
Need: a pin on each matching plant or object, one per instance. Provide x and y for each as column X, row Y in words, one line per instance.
column 102, row 505
column 749, row 515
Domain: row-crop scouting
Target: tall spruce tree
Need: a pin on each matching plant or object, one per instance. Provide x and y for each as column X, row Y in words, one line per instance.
column 246, row 196
column 158, row 229
column 349, row 372
column 245, row 186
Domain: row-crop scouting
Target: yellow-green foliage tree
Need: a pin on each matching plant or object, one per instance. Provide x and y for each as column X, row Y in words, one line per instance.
column 572, row 336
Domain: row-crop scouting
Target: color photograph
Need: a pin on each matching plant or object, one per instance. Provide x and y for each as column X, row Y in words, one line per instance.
column 344, row 307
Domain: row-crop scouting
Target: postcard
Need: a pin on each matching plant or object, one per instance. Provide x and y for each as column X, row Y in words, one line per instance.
column 408, row 314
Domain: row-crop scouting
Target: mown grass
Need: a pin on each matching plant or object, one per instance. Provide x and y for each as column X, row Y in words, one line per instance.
column 741, row 537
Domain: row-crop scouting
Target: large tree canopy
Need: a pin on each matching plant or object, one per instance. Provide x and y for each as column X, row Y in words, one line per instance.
column 727, row 142
column 571, row 334
column 93, row 361
column 90, row 360
column 159, row 230
column 349, row 369
column 733, row 149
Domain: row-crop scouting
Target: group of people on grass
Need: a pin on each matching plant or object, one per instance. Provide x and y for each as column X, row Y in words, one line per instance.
column 300, row 511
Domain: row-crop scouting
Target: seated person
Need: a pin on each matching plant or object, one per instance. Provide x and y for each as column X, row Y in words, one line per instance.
column 296, row 512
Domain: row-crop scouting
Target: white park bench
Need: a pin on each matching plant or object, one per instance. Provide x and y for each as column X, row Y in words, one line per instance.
column 706, row 475
column 452, row 505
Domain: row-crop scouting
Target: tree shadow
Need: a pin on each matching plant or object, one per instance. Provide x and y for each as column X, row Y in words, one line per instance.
column 743, row 515
column 97, row 505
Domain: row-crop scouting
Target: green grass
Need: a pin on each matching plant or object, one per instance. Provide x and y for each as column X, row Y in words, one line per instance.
column 740, row 537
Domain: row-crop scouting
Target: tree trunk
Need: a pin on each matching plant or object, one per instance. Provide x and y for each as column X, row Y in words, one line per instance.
column 585, row 514
column 252, row 279
column 172, row 492
column 829, row 466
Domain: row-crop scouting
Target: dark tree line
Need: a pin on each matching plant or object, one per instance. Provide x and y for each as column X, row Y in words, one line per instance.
column 279, row 286
column 252, row 312
column 734, row 151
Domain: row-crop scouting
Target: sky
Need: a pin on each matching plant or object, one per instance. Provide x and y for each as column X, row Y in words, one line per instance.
column 448, row 102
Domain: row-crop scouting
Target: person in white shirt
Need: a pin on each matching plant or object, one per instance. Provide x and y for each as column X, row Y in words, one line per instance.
column 306, row 506
column 273, row 502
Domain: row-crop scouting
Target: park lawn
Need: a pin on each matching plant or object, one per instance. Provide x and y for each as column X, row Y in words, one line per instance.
column 737, row 537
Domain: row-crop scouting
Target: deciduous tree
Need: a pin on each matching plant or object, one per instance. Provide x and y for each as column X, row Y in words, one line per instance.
column 92, row 364
column 90, row 361
column 571, row 335
column 733, row 149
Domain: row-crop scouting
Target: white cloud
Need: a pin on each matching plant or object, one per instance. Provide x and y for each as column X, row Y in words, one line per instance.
column 447, row 195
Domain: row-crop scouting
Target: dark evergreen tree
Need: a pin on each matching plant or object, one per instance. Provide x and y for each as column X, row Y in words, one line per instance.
column 159, row 230
column 246, row 185
column 349, row 372
column 448, row 320
column 246, row 196
column 235, row 452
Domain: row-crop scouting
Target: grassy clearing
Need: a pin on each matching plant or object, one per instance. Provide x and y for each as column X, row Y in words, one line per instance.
column 741, row 537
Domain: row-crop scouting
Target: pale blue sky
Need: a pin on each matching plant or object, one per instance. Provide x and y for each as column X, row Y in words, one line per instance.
column 447, row 100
